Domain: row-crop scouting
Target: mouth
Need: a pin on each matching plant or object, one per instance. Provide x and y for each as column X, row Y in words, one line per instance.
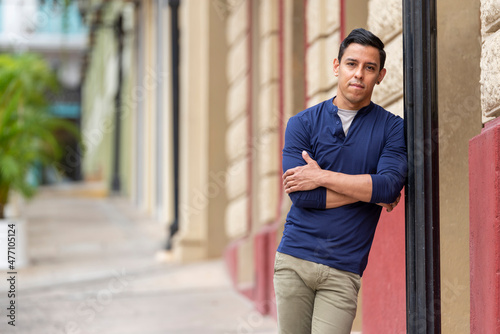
column 357, row 85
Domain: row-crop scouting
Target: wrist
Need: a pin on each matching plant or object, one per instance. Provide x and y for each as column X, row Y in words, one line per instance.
column 322, row 179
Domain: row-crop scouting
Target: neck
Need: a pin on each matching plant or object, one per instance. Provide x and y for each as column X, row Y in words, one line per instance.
column 347, row 106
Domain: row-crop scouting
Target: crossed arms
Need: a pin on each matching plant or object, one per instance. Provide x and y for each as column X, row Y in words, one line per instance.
column 341, row 189
column 310, row 186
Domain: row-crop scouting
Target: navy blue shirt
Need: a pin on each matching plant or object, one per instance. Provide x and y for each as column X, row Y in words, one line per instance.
column 341, row 237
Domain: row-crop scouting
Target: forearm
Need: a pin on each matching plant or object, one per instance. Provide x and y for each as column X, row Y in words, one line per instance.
column 311, row 199
column 335, row 200
column 356, row 187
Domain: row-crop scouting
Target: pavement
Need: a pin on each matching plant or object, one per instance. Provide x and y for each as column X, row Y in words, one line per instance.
column 92, row 267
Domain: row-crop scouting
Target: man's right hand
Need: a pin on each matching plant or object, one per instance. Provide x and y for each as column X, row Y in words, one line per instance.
column 302, row 178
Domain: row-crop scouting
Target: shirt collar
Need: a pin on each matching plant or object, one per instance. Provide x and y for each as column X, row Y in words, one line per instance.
column 334, row 109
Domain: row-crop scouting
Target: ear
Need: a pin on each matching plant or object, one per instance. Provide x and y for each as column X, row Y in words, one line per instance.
column 336, row 65
column 381, row 75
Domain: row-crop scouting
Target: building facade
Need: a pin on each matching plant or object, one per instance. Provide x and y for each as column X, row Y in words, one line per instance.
column 245, row 67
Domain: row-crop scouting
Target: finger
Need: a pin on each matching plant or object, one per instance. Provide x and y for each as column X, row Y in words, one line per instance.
column 287, row 184
column 385, row 205
column 306, row 157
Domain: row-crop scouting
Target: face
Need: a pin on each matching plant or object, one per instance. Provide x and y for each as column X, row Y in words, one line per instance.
column 358, row 72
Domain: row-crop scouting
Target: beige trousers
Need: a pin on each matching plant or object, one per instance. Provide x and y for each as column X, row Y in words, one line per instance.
column 314, row 298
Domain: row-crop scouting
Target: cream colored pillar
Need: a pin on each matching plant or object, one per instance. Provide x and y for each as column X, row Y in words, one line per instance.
column 202, row 132
column 190, row 243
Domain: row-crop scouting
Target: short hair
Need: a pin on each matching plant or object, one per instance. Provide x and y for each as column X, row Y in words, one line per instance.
column 366, row 38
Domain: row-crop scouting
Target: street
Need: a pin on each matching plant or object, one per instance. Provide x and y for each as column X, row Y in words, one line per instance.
column 93, row 268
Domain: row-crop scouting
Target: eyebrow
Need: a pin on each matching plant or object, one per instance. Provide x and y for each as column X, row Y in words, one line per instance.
column 355, row 60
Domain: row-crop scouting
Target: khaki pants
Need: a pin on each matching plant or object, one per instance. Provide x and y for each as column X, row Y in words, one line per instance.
column 314, row 298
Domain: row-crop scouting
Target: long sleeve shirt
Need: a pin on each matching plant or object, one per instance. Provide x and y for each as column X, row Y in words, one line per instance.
column 341, row 237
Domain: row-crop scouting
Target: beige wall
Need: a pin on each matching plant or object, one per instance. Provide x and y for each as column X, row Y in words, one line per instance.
column 459, row 120
column 237, row 38
column 323, row 39
column 356, row 14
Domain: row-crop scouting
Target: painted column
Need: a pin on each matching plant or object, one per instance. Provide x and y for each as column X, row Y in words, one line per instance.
column 484, row 188
column 484, row 162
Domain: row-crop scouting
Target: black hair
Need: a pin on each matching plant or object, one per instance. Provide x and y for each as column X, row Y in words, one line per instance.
column 366, row 38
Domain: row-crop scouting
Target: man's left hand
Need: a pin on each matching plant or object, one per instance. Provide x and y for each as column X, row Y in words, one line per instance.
column 391, row 206
column 302, row 178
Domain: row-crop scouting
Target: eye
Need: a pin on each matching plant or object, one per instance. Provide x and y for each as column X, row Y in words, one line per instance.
column 370, row 68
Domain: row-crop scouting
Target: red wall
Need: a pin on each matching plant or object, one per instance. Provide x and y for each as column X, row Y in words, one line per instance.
column 484, row 193
column 384, row 280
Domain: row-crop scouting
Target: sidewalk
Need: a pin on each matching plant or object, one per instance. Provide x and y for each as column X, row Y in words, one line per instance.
column 92, row 269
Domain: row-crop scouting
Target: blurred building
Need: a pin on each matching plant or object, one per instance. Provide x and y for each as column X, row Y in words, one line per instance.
column 197, row 142
column 55, row 31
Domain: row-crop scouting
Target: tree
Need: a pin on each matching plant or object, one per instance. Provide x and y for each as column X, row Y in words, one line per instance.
column 27, row 128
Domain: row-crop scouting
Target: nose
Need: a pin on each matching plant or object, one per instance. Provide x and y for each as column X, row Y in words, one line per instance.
column 359, row 73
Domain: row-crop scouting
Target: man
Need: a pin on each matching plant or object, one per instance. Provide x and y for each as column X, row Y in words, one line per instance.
column 340, row 158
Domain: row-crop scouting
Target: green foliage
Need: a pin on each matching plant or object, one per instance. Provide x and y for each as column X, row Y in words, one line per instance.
column 27, row 128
